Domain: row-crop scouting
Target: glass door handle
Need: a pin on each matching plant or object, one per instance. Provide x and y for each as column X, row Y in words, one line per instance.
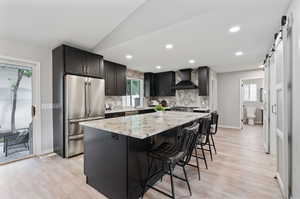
column 33, row 111
column 274, row 106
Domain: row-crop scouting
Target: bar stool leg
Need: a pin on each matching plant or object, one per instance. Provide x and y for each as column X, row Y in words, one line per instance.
column 187, row 181
column 204, row 157
column 172, row 184
column 148, row 175
column 213, row 143
column 197, row 161
column 209, row 146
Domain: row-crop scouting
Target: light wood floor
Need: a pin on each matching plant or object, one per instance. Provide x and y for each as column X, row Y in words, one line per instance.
column 240, row 170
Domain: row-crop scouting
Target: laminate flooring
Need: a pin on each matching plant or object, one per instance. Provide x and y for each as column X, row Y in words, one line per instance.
column 240, row 170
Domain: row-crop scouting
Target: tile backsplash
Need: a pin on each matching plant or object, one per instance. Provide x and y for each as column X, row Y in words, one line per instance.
column 115, row 101
column 187, row 97
column 120, row 101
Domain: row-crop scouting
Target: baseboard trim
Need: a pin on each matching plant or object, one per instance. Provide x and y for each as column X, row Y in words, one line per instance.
column 229, row 127
column 281, row 186
column 17, row 160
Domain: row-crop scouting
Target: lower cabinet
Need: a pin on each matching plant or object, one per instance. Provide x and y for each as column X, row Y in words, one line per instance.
column 146, row 111
column 112, row 115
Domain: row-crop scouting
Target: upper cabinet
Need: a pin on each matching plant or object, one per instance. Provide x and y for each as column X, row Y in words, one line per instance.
column 149, row 85
column 115, row 79
column 159, row 84
column 165, row 84
column 79, row 62
column 203, row 81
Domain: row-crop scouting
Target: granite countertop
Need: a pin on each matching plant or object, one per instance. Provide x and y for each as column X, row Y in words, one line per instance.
column 144, row 125
column 129, row 109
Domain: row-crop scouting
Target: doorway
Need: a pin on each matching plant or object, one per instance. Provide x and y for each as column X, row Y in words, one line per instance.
column 251, row 102
column 19, row 109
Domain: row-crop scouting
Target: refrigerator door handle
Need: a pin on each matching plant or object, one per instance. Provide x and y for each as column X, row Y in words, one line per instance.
column 89, row 95
column 85, row 98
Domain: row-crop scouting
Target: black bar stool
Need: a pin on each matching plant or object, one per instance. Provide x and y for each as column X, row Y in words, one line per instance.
column 202, row 140
column 214, row 128
column 171, row 155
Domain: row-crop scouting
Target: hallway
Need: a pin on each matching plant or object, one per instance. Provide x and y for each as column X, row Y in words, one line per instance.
column 240, row 170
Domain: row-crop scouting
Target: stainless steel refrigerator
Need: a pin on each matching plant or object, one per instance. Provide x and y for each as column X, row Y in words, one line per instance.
column 84, row 101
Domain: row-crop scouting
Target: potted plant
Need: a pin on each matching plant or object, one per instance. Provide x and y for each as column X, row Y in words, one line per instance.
column 159, row 108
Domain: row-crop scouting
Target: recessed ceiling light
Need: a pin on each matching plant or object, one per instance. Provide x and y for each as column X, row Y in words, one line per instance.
column 169, row 46
column 234, row 29
column 192, row 61
column 128, row 56
column 239, row 53
column 158, row 67
column 261, row 66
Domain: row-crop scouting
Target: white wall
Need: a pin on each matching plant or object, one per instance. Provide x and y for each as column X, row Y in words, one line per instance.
column 229, row 96
column 213, row 90
column 294, row 10
column 44, row 56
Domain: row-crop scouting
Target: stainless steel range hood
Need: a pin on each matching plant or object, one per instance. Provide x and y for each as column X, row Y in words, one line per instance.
column 186, row 82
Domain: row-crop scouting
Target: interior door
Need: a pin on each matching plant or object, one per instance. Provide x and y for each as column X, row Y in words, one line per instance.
column 266, row 112
column 272, row 107
column 242, row 107
column 281, row 122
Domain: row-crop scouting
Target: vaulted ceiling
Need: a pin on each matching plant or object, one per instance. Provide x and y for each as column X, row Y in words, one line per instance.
column 82, row 23
column 198, row 29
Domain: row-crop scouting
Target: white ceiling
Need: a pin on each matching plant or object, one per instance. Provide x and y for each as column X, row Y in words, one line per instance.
column 51, row 22
column 197, row 28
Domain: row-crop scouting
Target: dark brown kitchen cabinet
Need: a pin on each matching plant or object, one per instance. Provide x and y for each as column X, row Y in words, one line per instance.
column 115, row 79
column 203, row 81
column 120, row 80
column 94, row 65
column 79, row 62
column 69, row 60
column 165, row 84
column 113, row 115
column 159, row 84
column 149, row 85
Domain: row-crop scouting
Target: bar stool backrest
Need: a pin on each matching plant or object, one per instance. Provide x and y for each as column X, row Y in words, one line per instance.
column 214, row 122
column 190, row 135
column 204, row 131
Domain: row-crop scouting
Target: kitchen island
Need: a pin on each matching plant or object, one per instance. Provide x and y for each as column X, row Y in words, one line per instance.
column 115, row 150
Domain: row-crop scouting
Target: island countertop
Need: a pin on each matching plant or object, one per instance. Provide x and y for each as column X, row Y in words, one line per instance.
column 144, row 125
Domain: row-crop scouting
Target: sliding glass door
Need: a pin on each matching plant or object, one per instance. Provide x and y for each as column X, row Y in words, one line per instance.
column 16, row 124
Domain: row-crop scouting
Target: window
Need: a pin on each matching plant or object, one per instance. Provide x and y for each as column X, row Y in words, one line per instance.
column 133, row 93
column 250, row 92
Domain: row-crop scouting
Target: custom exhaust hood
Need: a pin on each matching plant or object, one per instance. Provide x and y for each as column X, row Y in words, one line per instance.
column 186, row 82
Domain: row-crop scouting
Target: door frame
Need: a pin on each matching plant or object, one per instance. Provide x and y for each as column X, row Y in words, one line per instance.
column 241, row 94
column 36, row 98
column 285, row 178
column 267, row 115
